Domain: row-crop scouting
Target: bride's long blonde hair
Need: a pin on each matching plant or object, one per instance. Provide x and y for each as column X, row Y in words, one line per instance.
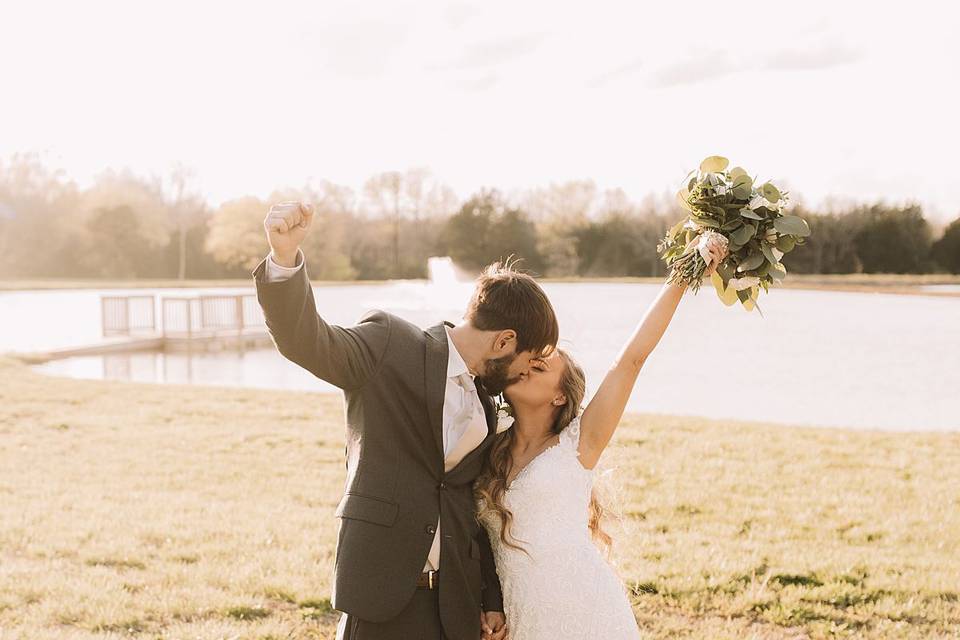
column 491, row 485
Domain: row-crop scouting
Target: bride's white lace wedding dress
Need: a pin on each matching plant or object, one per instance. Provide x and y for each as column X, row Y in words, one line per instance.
column 565, row 588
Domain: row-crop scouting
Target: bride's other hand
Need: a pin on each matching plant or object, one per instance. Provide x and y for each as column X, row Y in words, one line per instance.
column 494, row 625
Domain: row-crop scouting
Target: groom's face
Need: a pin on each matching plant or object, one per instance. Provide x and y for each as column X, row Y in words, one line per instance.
column 500, row 373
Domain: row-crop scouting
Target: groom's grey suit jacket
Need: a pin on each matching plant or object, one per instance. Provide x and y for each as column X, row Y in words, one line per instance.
column 393, row 375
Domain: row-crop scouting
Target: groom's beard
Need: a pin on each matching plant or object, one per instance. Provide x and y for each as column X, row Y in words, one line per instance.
column 495, row 379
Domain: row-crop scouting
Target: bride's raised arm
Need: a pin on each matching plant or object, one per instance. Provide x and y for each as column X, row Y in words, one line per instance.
column 603, row 413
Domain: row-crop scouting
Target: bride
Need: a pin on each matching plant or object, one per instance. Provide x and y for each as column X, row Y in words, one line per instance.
column 535, row 494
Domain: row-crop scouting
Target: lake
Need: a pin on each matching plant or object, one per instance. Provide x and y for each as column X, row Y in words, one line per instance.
column 821, row 358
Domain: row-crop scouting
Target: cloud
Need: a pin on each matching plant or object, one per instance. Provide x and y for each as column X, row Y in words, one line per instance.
column 823, row 57
column 623, row 70
column 708, row 66
column 714, row 64
column 494, row 52
column 457, row 13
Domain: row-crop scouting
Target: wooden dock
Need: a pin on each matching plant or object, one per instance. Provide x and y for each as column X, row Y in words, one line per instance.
column 248, row 339
column 195, row 323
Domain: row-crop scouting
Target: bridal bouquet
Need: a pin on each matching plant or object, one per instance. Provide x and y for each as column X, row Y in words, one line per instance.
column 730, row 215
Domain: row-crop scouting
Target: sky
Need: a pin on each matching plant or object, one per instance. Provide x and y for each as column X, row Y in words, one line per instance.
column 834, row 100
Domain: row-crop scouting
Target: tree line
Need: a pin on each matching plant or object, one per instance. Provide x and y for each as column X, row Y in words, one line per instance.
column 125, row 226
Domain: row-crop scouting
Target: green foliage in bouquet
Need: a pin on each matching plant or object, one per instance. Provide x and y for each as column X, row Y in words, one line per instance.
column 750, row 217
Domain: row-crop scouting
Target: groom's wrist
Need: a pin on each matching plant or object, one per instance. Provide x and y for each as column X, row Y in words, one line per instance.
column 286, row 260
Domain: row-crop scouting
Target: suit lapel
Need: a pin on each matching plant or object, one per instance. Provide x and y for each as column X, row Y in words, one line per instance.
column 435, row 381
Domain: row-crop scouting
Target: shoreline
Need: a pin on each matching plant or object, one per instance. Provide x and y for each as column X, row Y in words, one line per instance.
column 26, row 360
column 901, row 284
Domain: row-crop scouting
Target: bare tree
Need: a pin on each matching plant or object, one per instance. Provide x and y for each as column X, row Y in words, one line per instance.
column 181, row 180
column 384, row 191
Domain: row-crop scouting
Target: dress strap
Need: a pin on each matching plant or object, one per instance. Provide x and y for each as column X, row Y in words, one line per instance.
column 571, row 434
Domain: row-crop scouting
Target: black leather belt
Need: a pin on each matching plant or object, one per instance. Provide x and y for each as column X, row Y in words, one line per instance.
column 428, row 580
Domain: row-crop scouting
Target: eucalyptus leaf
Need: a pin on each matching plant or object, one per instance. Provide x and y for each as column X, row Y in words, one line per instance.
column 707, row 222
column 792, row 225
column 746, row 212
column 742, row 187
column 786, row 243
column 675, row 229
column 768, row 253
column 742, row 235
column 726, row 271
column 713, row 164
column 777, row 271
column 736, row 172
column 770, row 192
column 727, row 295
column 752, row 261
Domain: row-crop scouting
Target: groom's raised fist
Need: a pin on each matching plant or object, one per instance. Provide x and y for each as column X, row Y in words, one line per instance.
column 286, row 225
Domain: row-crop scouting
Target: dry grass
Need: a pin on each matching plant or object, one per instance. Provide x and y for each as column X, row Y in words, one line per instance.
column 131, row 510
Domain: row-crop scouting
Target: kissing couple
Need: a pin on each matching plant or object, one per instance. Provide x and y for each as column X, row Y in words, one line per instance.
column 451, row 528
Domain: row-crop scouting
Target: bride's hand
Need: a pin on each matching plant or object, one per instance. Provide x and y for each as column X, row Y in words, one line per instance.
column 713, row 264
column 718, row 253
column 494, row 625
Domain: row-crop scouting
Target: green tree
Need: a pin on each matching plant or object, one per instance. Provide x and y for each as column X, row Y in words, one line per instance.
column 946, row 250
column 831, row 246
column 894, row 239
column 486, row 229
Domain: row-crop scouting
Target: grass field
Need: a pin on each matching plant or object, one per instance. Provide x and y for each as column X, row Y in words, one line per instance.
column 131, row 510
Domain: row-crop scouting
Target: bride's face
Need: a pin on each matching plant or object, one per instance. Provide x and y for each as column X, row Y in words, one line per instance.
column 541, row 385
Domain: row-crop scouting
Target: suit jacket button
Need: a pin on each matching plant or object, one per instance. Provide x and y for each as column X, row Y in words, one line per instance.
column 431, row 529
column 441, row 486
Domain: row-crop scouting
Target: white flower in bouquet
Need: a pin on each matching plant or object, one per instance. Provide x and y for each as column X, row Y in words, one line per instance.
column 739, row 284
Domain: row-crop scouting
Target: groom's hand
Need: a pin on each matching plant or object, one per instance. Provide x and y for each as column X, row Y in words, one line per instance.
column 286, row 226
column 494, row 625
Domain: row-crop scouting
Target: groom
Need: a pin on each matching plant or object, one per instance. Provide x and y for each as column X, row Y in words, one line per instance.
column 412, row 561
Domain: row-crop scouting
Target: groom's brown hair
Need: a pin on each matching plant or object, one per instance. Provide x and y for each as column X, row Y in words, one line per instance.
column 506, row 298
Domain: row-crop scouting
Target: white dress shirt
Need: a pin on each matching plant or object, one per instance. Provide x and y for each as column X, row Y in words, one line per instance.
column 464, row 422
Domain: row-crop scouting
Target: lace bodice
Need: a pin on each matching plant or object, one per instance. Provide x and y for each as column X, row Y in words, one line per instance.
column 562, row 586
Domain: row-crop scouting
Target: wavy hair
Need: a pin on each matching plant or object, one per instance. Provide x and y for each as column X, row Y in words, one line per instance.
column 491, row 484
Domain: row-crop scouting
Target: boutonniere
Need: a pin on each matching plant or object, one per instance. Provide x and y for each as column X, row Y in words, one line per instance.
column 504, row 414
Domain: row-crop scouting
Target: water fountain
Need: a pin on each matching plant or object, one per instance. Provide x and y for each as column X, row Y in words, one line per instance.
column 444, row 294
column 441, row 272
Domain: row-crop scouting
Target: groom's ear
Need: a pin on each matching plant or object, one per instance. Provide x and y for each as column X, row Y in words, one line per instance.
column 503, row 339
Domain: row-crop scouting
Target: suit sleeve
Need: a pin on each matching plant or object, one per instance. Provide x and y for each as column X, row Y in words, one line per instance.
column 345, row 357
column 492, row 598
